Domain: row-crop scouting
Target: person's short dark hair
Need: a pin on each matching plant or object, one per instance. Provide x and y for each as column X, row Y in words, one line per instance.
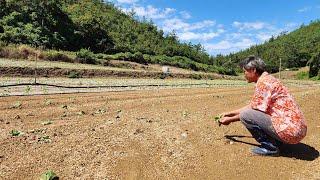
column 253, row 62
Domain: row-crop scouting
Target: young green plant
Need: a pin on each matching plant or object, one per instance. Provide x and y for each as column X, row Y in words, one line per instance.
column 218, row 118
column 49, row 175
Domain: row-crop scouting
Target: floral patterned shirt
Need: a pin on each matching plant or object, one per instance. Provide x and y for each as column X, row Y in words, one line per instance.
column 273, row 98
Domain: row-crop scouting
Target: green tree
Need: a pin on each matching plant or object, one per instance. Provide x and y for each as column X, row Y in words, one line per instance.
column 314, row 65
column 36, row 22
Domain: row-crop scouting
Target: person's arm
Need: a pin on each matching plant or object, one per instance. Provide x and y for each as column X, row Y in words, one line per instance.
column 228, row 120
column 235, row 112
column 232, row 116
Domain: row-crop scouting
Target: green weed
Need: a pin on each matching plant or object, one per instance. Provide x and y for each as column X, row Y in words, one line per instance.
column 49, row 175
column 47, row 122
column 27, row 90
column 47, row 102
column 15, row 132
column 45, row 139
column 16, row 105
column 74, row 74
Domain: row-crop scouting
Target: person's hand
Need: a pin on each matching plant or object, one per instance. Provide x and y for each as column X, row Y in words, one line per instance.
column 225, row 121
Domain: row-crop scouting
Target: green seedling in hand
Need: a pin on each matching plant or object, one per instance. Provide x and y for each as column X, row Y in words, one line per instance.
column 218, row 118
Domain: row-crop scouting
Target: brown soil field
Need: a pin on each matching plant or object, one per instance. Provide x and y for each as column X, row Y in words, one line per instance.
column 147, row 134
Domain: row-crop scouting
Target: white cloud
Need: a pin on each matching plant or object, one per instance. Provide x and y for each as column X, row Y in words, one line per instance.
column 229, row 45
column 220, row 26
column 127, row 1
column 179, row 25
column 235, row 35
column 291, row 25
column 250, row 25
column 174, row 24
column 263, row 36
column 305, row 9
column 203, row 24
column 221, row 30
column 185, row 15
column 187, row 36
column 151, row 12
column 218, row 46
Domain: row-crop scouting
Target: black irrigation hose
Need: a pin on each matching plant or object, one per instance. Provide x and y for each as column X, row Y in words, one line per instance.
column 110, row 86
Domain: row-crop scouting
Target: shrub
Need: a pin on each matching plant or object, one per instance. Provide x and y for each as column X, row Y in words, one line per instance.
column 226, row 71
column 108, row 57
column 230, row 71
column 302, row 75
column 85, row 56
column 74, row 74
column 17, row 52
column 138, row 57
column 3, row 52
column 100, row 56
column 196, row 76
column 316, row 78
column 147, row 58
column 118, row 56
column 105, row 62
column 272, row 68
column 194, row 67
column 162, row 59
column 128, row 56
column 314, row 65
column 163, row 76
column 26, row 51
column 56, row 56
column 2, row 44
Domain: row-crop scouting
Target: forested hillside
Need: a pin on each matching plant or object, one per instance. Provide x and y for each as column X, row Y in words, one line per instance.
column 99, row 26
column 296, row 49
column 72, row 25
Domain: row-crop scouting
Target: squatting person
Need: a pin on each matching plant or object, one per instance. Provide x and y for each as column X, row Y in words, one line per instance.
column 272, row 117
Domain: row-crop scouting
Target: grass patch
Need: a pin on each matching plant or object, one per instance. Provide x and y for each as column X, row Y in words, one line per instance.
column 302, row 75
column 74, row 74
column 53, row 55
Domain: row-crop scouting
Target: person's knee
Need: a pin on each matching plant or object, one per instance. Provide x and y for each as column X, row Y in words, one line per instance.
column 245, row 115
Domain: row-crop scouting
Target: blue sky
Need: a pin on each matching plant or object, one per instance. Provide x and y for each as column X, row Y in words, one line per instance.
column 224, row 26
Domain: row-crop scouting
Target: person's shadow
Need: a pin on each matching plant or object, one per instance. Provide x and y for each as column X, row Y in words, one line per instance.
column 299, row 151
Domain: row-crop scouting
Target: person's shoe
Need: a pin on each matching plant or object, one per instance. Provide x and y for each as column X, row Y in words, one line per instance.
column 266, row 149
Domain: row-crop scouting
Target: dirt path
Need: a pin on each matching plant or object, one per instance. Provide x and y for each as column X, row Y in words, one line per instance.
column 155, row 134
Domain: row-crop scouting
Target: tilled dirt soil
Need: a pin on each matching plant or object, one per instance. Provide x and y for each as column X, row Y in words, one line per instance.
column 154, row 134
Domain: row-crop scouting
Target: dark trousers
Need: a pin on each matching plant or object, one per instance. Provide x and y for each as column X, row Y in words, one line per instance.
column 260, row 126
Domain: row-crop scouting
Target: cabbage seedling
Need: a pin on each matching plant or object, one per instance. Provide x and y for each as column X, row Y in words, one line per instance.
column 218, row 118
column 49, row 175
column 15, row 132
column 47, row 122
